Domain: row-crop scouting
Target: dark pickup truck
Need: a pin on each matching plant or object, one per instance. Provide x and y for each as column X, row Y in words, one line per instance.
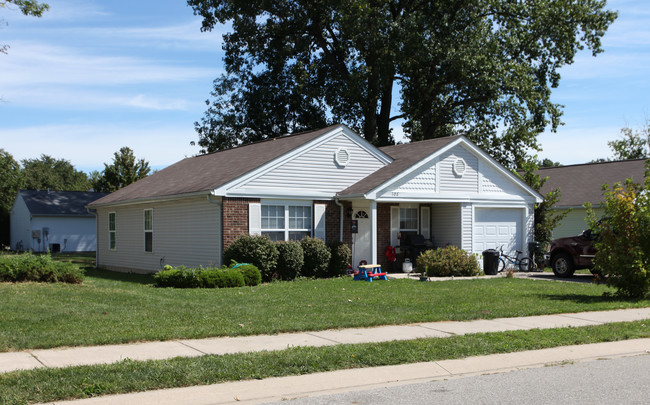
column 572, row 253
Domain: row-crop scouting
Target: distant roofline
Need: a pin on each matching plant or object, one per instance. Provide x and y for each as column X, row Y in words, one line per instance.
column 591, row 163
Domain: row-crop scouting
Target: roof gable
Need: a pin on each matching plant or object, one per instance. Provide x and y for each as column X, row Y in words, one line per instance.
column 59, row 203
column 583, row 183
column 317, row 169
column 427, row 168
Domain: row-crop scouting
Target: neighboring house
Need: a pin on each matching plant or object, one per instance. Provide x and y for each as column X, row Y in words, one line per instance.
column 584, row 183
column 315, row 183
column 54, row 220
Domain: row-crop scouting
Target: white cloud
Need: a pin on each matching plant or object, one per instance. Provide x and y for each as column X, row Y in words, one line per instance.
column 38, row 64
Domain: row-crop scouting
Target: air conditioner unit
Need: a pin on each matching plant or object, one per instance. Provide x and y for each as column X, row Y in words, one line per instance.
column 36, row 234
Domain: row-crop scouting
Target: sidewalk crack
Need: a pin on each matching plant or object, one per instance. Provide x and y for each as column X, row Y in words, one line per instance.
column 37, row 359
column 192, row 347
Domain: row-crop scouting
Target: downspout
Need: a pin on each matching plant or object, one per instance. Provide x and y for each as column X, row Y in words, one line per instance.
column 94, row 212
column 219, row 204
column 337, row 202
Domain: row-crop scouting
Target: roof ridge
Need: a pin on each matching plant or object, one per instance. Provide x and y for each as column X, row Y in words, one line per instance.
column 593, row 163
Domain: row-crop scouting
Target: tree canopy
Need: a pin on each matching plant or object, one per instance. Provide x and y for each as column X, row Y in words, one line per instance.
column 124, row 170
column 482, row 68
column 634, row 144
column 27, row 7
column 54, row 174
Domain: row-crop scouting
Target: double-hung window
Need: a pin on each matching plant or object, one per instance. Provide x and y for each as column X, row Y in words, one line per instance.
column 408, row 219
column 112, row 231
column 148, row 230
column 286, row 221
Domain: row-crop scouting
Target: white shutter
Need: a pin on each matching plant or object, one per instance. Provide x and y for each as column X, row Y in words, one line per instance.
column 394, row 225
column 319, row 221
column 255, row 219
column 425, row 222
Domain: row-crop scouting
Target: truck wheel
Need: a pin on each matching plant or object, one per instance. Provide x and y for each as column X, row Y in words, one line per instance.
column 562, row 265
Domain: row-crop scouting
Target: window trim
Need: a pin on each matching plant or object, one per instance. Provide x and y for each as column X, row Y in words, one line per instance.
column 287, row 229
column 147, row 231
column 112, row 231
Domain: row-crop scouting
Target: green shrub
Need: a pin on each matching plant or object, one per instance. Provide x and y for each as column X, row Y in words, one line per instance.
column 290, row 260
column 252, row 275
column 317, row 257
column 623, row 238
column 179, row 277
column 340, row 260
column 257, row 250
column 221, row 278
column 447, row 261
column 41, row 268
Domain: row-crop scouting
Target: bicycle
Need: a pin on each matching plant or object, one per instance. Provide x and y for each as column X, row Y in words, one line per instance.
column 523, row 263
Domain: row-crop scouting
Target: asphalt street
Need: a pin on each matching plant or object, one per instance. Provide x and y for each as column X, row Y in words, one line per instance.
column 614, row 381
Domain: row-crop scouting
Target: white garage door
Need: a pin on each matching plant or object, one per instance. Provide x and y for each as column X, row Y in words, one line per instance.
column 496, row 227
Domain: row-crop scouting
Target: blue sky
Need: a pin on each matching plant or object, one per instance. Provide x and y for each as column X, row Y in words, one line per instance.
column 93, row 76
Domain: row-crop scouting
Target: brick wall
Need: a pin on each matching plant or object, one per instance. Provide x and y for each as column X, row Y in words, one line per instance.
column 235, row 218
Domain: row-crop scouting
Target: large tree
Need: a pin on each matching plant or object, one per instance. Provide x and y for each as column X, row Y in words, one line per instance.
column 54, row 174
column 27, row 7
column 124, row 170
column 483, row 68
column 10, row 183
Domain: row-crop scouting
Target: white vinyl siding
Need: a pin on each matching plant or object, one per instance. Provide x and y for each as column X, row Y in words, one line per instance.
column 317, row 169
column 187, row 232
column 447, row 224
column 451, row 182
column 467, row 219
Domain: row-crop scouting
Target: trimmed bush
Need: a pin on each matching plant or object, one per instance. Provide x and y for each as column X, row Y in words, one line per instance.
column 340, row 260
column 252, row 275
column 447, row 261
column 221, row 278
column 290, row 260
column 317, row 257
column 40, row 268
column 257, row 250
column 179, row 277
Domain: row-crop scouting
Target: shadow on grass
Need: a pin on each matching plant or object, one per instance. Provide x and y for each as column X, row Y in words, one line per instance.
column 133, row 278
column 585, row 299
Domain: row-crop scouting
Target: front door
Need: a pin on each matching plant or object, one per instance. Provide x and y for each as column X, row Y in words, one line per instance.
column 361, row 240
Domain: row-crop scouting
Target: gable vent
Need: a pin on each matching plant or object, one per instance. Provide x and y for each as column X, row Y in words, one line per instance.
column 342, row 157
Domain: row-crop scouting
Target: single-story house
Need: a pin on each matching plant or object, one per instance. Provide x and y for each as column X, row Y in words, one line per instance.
column 318, row 183
column 54, row 220
column 584, row 183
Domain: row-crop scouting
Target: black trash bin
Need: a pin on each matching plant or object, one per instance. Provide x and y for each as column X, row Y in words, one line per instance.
column 491, row 261
column 534, row 249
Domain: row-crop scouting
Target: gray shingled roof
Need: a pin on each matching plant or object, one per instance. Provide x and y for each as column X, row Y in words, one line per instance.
column 59, row 203
column 405, row 155
column 204, row 173
column 582, row 183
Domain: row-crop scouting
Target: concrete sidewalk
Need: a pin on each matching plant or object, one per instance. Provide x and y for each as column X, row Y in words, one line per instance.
column 311, row 385
column 66, row 357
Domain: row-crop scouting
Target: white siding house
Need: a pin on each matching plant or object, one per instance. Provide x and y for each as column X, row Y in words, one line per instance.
column 58, row 221
column 315, row 184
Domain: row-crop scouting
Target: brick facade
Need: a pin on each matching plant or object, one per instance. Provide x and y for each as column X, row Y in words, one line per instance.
column 235, row 218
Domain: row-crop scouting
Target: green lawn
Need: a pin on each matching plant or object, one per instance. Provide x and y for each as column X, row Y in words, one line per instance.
column 116, row 308
column 47, row 385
